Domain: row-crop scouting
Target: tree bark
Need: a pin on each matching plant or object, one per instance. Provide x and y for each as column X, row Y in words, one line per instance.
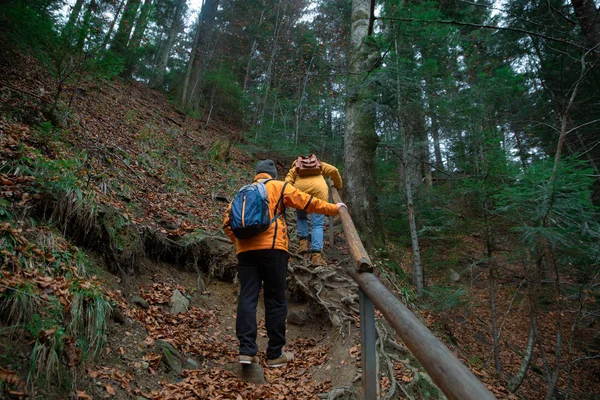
column 136, row 38
column 407, row 146
column 515, row 382
column 85, row 25
column 435, row 135
column 196, row 62
column 414, row 237
column 589, row 21
column 360, row 142
column 112, row 25
column 73, row 17
column 163, row 57
column 119, row 42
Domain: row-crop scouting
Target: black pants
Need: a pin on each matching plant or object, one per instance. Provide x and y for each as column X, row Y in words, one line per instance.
column 254, row 268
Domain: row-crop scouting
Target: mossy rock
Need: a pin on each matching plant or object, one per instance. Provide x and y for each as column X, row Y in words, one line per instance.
column 219, row 151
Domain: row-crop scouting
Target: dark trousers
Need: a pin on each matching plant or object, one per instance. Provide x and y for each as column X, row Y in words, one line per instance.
column 254, row 268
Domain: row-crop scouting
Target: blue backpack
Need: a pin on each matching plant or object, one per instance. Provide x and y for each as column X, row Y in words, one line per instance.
column 249, row 214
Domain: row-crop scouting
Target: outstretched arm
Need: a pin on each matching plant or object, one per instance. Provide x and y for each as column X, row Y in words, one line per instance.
column 303, row 201
column 332, row 172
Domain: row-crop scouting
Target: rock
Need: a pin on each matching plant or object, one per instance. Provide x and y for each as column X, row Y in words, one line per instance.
column 297, row 318
column 118, row 316
column 219, row 150
column 145, row 364
column 142, row 347
column 190, row 363
column 171, row 356
column 179, row 303
column 140, row 302
column 453, row 275
column 252, row 373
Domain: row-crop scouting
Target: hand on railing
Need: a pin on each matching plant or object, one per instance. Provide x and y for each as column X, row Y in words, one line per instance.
column 340, row 205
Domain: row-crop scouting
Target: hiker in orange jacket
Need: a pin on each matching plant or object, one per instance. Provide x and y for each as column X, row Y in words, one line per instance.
column 316, row 186
column 264, row 258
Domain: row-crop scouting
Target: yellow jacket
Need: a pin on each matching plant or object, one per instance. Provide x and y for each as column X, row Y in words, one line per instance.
column 315, row 184
column 276, row 237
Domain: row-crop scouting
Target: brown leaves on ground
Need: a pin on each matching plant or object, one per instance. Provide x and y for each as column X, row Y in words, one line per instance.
column 197, row 332
column 112, row 374
column 11, row 385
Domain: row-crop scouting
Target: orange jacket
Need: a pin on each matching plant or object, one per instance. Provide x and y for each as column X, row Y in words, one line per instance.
column 276, row 237
column 315, row 184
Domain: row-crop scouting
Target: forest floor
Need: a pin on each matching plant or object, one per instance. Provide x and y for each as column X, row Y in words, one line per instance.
column 121, row 200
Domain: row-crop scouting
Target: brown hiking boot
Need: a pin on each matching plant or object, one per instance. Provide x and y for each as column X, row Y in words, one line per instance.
column 303, row 247
column 285, row 358
column 249, row 359
column 317, row 259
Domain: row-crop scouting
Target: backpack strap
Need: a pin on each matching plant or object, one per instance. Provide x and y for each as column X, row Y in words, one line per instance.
column 280, row 201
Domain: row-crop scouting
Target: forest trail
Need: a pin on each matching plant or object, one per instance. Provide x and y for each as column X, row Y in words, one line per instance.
column 126, row 199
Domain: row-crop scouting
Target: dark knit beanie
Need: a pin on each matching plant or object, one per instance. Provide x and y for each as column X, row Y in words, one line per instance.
column 267, row 166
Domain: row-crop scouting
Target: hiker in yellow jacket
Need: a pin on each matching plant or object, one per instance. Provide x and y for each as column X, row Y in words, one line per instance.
column 313, row 184
column 264, row 258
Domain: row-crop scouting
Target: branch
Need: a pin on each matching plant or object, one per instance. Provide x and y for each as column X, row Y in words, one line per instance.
column 500, row 28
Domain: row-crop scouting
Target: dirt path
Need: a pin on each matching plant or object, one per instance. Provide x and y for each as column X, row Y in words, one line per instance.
column 131, row 366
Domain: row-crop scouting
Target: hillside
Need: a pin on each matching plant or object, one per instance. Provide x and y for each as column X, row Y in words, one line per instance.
column 107, row 214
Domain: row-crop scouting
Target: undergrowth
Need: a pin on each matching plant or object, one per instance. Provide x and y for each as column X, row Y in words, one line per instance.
column 48, row 297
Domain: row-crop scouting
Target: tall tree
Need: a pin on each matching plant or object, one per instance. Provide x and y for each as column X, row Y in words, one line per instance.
column 196, row 61
column 113, row 22
column 360, row 140
column 140, row 27
column 121, row 39
column 73, row 16
column 589, row 20
column 165, row 48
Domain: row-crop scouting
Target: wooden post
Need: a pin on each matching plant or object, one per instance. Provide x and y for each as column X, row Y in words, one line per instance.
column 368, row 350
column 454, row 379
column 362, row 262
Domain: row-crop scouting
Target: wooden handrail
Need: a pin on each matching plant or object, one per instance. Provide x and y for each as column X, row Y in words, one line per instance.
column 362, row 261
column 453, row 378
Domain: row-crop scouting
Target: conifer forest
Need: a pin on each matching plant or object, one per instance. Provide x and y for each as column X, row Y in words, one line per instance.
column 467, row 135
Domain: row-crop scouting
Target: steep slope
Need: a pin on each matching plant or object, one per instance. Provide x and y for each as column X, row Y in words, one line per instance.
column 103, row 218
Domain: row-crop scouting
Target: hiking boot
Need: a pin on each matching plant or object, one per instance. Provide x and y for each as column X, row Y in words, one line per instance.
column 249, row 359
column 285, row 358
column 303, row 247
column 317, row 259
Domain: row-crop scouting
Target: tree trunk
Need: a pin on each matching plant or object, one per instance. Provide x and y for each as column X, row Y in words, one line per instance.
column 360, row 142
column 119, row 43
column 417, row 266
column 136, row 39
column 163, row 57
column 196, row 62
column 73, row 17
column 262, row 106
column 85, row 26
column 435, row 135
column 589, row 20
column 407, row 146
column 302, row 93
column 112, row 25
column 494, row 316
column 253, row 48
column 515, row 382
